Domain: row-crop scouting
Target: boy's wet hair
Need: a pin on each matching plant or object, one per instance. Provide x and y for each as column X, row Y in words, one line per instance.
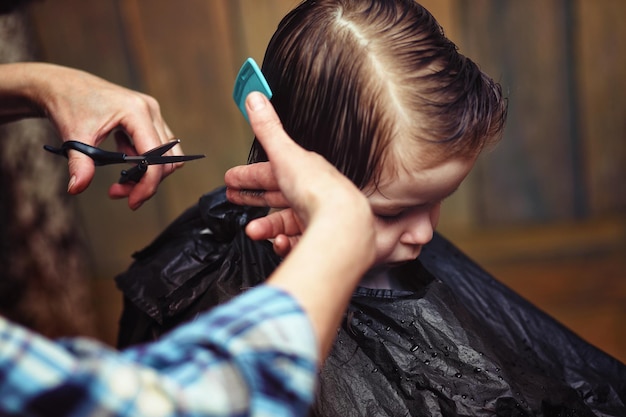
column 353, row 79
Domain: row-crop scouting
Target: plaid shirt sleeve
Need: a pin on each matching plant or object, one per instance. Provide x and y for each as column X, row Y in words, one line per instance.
column 255, row 356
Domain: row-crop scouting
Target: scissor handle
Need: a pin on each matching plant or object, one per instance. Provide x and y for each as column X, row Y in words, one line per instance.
column 99, row 156
column 133, row 174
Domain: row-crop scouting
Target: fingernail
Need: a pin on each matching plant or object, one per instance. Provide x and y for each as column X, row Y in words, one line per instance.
column 256, row 101
column 70, row 185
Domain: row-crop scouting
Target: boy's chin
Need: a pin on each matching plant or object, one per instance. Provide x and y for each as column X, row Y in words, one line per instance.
column 398, row 263
column 391, row 264
column 398, row 258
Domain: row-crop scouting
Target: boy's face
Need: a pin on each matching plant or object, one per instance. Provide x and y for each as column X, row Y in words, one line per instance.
column 407, row 208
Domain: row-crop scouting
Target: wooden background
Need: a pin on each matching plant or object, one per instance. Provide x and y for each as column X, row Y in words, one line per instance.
column 550, row 199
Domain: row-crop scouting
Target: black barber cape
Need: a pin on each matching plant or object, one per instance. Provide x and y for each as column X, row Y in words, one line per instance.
column 453, row 342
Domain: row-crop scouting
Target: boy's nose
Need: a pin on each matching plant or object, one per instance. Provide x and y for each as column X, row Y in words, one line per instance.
column 419, row 231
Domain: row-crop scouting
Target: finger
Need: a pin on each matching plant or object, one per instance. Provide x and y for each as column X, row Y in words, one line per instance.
column 283, row 244
column 156, row 134
column 268, row 129
column 274, row 224
column 144, row 124
column 137, row 193
column 175, row 151
column 119, row 191
column 123, row 143
column 161, row 128
column 81, row 170
column 258, row 176
column 145, row 136
column 255, row 198
column 146, row 187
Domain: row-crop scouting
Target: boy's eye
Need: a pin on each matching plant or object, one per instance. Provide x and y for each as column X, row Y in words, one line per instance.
column 386, row 218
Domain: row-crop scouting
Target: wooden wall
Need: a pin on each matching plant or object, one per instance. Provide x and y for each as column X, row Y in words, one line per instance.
column 564, row 155
column 562, row 62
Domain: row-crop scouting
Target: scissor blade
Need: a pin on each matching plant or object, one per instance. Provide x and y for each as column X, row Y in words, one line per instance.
column 160, row 150
column 156, row 160
column 152, row 153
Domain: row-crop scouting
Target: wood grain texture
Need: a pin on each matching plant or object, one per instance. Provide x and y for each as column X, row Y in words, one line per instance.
column 528, row 177
column 601, row 61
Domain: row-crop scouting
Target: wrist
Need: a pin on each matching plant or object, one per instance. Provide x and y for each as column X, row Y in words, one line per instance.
column 21, row 91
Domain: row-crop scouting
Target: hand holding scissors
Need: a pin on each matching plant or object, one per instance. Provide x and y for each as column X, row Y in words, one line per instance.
column 82, row 105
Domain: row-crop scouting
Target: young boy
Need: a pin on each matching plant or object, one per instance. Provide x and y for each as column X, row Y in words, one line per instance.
column 376, row 88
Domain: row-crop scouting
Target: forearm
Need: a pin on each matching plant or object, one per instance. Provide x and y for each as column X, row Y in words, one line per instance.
column 18, row 91
column 323, row 269
column 38, row 89
column 221, row 363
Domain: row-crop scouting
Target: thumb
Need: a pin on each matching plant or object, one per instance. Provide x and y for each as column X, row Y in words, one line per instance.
column 266, row 125
column 81, row 169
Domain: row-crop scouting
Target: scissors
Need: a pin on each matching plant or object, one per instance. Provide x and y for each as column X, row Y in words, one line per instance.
column 134, row 174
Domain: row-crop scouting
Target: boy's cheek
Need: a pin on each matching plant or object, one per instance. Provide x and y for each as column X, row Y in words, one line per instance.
column 385, row 243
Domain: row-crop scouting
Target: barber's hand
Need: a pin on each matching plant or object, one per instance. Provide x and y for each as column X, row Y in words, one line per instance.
column 304, row 183
column 283, row 226
column 86, row 108
column 256, row 185
column 330, row 215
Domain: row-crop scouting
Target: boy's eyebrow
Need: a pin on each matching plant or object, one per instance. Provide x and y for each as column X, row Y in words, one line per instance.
column 394, row 206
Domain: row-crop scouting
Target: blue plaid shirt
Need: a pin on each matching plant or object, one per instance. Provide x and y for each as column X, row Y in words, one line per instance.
column 255, row 356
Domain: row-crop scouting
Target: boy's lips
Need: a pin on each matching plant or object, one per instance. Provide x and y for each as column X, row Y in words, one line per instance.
column 405, row 259
column 402, row 262
column 400, row 256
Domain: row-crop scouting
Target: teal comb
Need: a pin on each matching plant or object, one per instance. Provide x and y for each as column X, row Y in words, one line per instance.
column 249, row 79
